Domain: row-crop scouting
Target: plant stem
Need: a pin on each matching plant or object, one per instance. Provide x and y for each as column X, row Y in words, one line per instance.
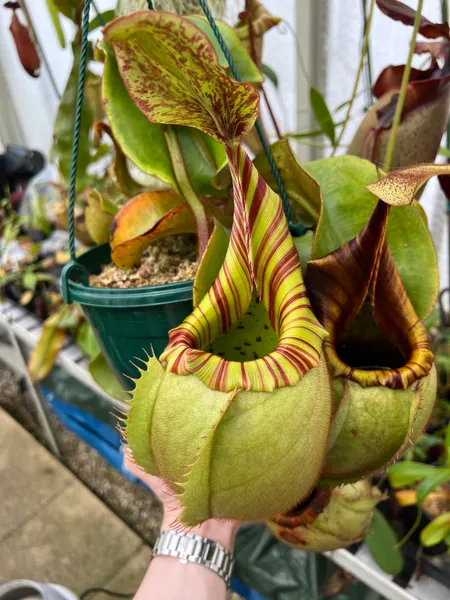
column 402, row 95
column 368, row 59
column 186, row 189
column 358, row 76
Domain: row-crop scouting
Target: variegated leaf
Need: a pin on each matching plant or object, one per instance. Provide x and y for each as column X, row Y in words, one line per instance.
column 202, row 155
column 172, row 72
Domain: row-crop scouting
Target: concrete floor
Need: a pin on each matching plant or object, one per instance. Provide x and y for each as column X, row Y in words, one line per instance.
column 53, row 528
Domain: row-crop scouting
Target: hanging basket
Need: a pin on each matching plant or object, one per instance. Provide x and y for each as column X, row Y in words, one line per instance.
column 128, row 323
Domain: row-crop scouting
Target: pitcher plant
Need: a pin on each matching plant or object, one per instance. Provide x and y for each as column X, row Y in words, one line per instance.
column 254, row 398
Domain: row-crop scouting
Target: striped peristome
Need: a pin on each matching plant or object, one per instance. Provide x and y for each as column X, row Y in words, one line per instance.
column 262, row 257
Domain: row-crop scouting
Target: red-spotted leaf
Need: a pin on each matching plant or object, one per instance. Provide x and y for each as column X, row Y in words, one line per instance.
column 143, row 220
column 173, row 74
column 25, row 46
column 202, row 155
column 253, row 24
column 400, row 187
column 398, row 11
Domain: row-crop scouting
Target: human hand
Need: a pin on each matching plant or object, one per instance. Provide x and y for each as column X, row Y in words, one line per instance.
column 219, row 530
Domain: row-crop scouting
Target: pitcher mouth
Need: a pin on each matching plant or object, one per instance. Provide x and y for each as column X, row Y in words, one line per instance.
column 258, row 301
column 370, row 356
column 307, row 511
column 383, row 364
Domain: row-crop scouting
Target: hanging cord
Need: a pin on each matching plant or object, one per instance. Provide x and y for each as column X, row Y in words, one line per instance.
column 296, row 229
column 77, row 127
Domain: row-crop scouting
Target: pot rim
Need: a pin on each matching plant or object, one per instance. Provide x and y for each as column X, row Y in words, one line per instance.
column 155, row 295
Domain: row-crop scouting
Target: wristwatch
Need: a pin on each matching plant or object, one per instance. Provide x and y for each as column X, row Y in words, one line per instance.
column 191, row 548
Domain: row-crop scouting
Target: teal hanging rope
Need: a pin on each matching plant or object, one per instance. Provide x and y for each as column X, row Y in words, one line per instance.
column 77, row 128
column 150, row 4
column 296, row 229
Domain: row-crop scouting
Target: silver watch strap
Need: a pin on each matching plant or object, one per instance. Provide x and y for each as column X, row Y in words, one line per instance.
column 191, row 548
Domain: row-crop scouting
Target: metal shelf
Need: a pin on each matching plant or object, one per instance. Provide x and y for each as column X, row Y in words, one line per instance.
column 26, row 328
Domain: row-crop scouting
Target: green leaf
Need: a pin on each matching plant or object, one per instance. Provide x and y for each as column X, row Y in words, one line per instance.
column 428, row 441
column 308, row 134
column 447, row 445
column 436, row 531
column 69, row 8
column 301, row 188
column 135, row 134
column 141, row 413
column 405, row 473
column 64, row 124
column 29, row 280
column 105, row 378
column 270, row 74
column 98, row 220
column 203, row 156
column 247, row 69
column 160, row 55
column 322, row 114
column 102, row 19
column 304, row 246
column 87, row 342
column 431, row 482
column 381, row 542
column 443, row 151
column 54, row 14
column 212, row 261
column 346, row 209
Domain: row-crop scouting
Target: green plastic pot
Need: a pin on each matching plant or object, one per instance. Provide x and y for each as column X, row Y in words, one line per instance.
column 128, row 323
